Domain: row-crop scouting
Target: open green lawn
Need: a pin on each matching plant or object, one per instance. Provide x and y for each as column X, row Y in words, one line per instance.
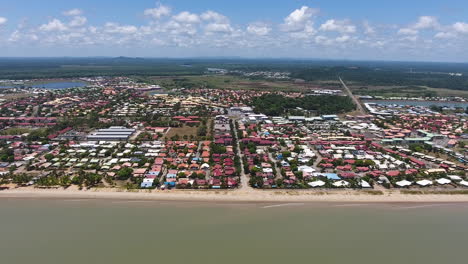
column 237, row 83
column 408, row 91
column 182, row 131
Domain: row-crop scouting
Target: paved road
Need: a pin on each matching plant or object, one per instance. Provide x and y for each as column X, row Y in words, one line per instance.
column 244, row 184
column 355, row 99
column 319, row 158
column 199, row 150
column 278, row 171
column 35, row 111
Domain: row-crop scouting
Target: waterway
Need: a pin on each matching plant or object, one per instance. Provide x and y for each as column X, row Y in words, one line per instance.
column 119, row 231
column 50, row 85
column 418, row 103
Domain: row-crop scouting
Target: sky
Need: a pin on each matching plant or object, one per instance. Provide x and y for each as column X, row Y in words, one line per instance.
column 410, row 30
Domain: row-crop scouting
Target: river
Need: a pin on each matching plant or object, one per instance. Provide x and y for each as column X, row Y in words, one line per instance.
column 418, row 103
column 120, row 231
column 50, row 85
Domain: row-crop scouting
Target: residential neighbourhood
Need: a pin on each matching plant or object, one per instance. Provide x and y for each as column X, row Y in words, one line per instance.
column 117, row 133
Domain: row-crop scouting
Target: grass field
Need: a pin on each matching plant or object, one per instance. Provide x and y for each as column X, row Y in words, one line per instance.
column 182, row 131
column 447, row 92
column 238, row 83
column 188, row 131
column 14, row 96
column 19, row 131
column 406, row 91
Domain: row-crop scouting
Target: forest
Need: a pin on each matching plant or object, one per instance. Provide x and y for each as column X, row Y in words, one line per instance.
column 372, row 73
column 385, row 77
column 275, row 104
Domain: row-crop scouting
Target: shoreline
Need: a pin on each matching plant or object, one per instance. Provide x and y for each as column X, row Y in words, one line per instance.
column 233, row 196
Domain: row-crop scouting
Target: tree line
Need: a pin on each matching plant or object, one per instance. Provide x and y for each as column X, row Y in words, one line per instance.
column 275, row 104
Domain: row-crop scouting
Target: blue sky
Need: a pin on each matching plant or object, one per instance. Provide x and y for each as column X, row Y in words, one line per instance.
column 336, row 29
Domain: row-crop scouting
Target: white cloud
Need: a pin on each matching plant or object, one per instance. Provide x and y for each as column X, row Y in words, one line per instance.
column 78, row 21
column 211, row 31
column 176, row 28
column 17, row 35
column 461, row 27
column 259, row 29
column 368, row 29
column 122, row 29
column 186, row 18
column 158, row 12
column 413, row 38
column 53, row 25
column 423, row 23
column 445, row 35
column 214, row 16
column 297, row 20
column 323, row 40
column 218, row 28
column 3, row 20
column 407, row 31
column 426, row 22
column 306, row 33
column 73, row 12
column 343, row 38
column 342, row 26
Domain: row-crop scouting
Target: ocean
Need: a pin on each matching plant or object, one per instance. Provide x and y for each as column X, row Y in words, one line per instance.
column 120, row 231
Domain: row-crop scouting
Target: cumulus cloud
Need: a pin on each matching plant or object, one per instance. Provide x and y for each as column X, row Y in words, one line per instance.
column 214, row 16
column 407, row 31
column 78, row 21
column 260, row 29
column 218, row 28
column 413, row 38
column 423, row 23
column 217, row 23
column 3, row 20
column 343, row 38
column 323, row 40
column 426, row 22
column 111, row 27
column 298, row 19
column 445, row 35
column 456, row 30
column 17, row 35
column 461, row 27
column 186, row 18
column 53, row 25
column 341, row 26
column 73, row 12
column 306, row 33
column 297, row 32
column 176, row 28
column 158, row 12
column 368, row 29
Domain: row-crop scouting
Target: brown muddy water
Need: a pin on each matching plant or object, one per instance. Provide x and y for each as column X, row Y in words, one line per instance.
column 118, row 231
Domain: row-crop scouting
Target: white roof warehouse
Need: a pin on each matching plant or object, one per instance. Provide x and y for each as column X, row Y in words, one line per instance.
column 111, row 134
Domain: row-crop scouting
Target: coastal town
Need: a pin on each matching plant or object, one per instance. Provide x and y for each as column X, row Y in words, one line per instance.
column 115, row 132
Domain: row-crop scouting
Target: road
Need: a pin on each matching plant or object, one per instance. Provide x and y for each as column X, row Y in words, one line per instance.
column 35, row 111
column 244, row 184
column 278, row 171
column 355, row 99
column 318, row 155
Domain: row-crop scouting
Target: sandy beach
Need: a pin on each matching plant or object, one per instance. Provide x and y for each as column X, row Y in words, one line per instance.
column 232, row 195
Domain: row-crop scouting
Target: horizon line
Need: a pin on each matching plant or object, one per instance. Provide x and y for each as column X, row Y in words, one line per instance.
column 230, row 58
